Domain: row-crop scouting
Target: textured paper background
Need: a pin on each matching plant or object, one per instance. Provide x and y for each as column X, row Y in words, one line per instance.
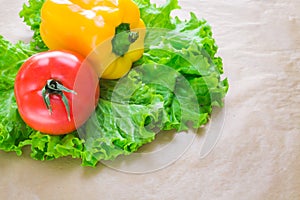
column 258, row 153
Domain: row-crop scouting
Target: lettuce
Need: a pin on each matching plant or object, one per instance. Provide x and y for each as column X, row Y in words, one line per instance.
column 173, row 86
column 32, row 17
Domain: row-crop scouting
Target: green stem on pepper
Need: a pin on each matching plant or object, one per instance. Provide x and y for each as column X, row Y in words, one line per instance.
column 123, row 39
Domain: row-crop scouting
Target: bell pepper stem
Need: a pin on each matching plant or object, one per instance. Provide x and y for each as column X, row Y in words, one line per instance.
column 54, row 87
column 133, row 36
column 123, row 39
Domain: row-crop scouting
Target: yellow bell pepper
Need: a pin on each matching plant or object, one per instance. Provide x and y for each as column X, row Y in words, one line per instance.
column 108, row 32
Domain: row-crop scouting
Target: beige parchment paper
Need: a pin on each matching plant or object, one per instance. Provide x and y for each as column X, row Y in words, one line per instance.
column 257, row 154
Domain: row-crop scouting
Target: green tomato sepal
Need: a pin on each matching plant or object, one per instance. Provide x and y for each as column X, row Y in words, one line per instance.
column 54, row 87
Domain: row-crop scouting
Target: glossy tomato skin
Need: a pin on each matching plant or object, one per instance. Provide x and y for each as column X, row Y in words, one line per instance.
column 73, row 72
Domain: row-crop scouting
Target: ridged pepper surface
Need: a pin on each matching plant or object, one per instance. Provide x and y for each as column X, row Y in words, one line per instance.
column 109, row 33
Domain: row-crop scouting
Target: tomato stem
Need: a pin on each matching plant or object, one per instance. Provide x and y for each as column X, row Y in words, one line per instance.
column 54, row 87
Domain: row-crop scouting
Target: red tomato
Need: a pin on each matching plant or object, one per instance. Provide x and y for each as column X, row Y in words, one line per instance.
column 56, row 91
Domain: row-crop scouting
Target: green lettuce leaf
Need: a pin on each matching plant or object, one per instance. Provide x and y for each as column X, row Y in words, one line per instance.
column 12, row 128
column 32, row 17
column 157, row 16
